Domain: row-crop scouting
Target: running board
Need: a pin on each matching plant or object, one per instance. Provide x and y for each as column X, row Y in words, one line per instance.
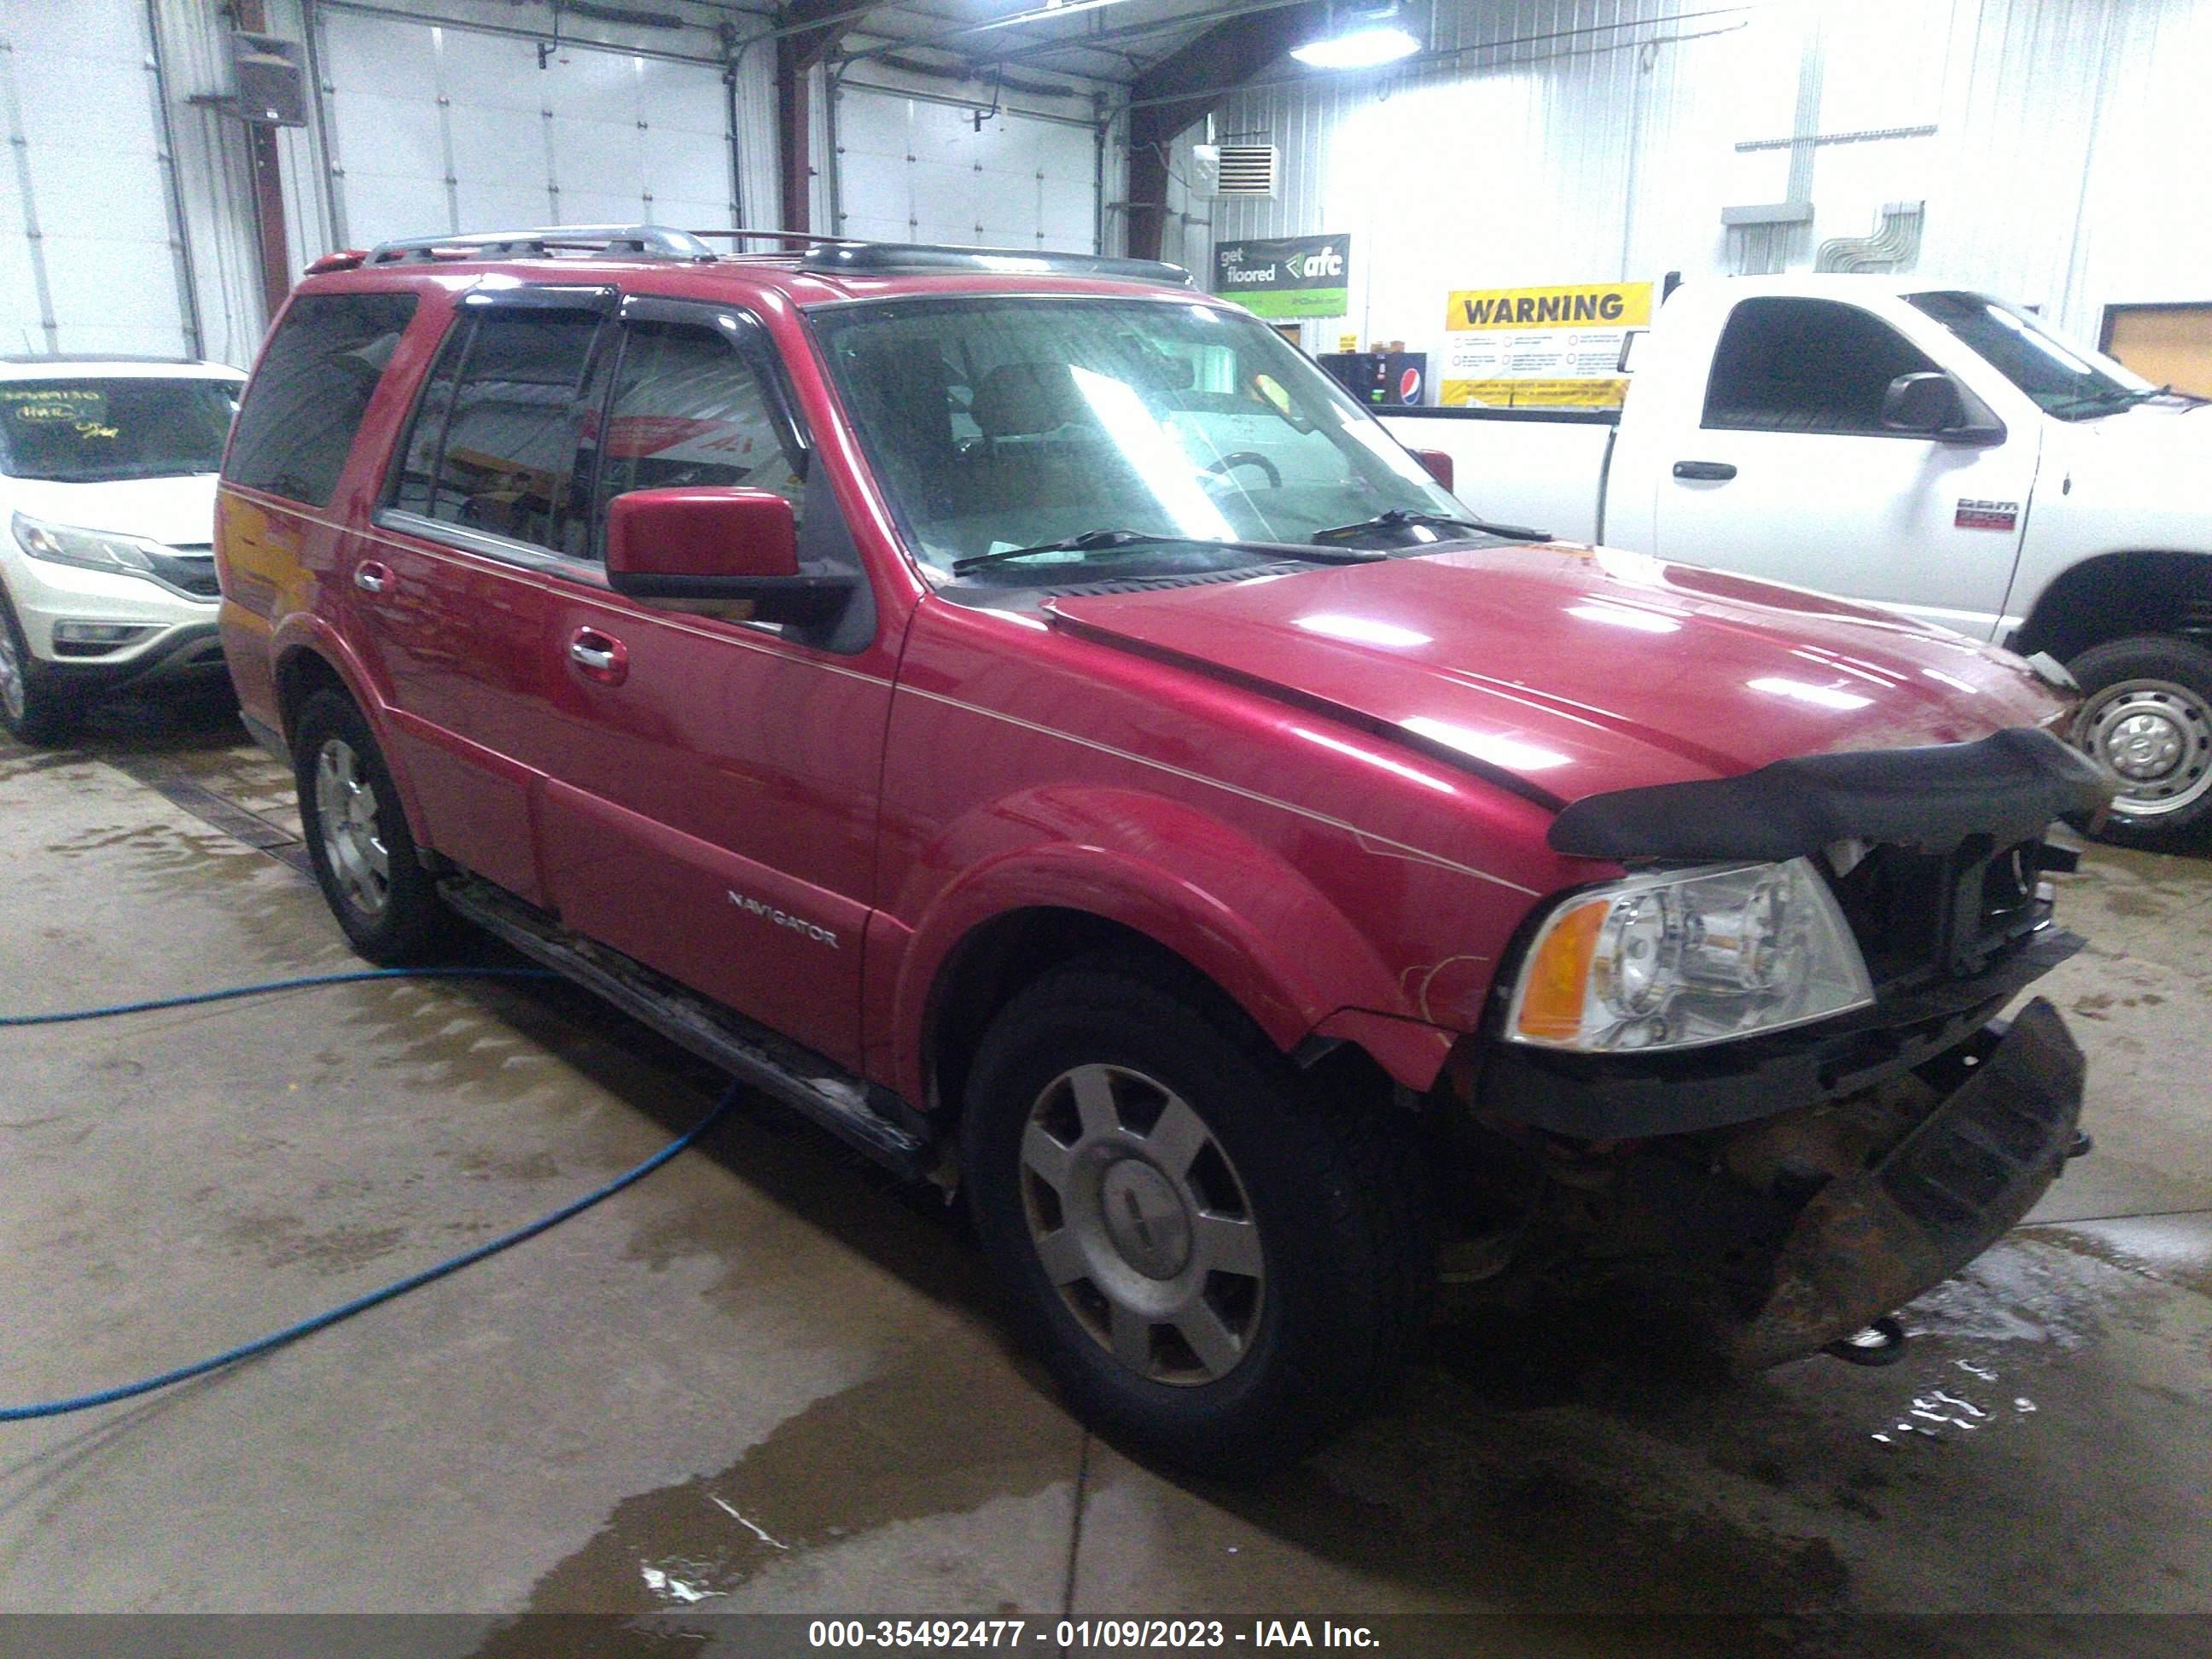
column 849, row 1107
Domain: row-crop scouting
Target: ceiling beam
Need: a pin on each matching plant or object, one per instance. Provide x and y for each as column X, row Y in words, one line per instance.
column 1188, row 85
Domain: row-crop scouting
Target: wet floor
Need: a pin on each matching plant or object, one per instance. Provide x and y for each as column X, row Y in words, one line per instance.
column 768, row 1379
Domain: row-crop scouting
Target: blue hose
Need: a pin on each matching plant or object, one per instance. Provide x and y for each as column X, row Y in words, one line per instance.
column 398, row 1287
column 235, row 991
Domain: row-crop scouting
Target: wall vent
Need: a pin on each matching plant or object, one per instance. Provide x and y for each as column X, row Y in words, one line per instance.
column 1236, row 169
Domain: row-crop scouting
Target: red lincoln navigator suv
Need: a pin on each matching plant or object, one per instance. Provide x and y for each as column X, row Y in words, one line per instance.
column 1020, row 713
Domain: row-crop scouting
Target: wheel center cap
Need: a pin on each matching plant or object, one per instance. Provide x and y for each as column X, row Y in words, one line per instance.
column 1145, row 1218
column 2143, row 745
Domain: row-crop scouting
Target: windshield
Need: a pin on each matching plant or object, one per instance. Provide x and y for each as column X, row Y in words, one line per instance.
column 2070, row 384
column 94, row 431
column 998, row 424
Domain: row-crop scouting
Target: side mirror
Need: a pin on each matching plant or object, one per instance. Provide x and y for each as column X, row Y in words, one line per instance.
column 1436, row 464
column 1931, row 404
column 716, row 546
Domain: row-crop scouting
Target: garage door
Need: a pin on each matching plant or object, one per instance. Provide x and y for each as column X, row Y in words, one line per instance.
column 434, row 128
column 87, row 262
column 913, row 170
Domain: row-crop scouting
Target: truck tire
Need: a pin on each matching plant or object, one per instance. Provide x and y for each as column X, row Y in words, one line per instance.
column 2147, row 713
column 357, row 838
column 36, row 706
column 1221, row 1266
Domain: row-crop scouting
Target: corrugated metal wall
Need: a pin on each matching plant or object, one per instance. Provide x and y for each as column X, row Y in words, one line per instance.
column 1576, row 140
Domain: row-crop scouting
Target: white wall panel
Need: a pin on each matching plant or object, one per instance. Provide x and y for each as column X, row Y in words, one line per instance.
column 1563, row 146
column 88, row 248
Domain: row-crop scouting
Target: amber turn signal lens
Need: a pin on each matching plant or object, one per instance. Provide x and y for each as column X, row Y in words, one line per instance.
column 1558, row 977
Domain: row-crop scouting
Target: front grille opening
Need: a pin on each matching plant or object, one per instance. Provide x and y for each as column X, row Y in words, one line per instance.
column 1920, row 915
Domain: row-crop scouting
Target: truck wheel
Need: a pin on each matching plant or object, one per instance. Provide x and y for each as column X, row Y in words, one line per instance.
column 357, row 838
column 2147, row 713
column 35, row 706
column 1220, row 1266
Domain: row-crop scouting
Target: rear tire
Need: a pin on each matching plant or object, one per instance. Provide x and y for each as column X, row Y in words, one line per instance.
column 2147, row 714
column 38, row 705
column 364, row 858
column 1221, row 1267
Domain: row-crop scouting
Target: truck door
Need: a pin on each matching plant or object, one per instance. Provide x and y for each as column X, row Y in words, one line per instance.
column 1791, row 473
column 711, row 783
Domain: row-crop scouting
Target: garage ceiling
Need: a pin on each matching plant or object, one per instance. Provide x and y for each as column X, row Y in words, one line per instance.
column 1098, row 39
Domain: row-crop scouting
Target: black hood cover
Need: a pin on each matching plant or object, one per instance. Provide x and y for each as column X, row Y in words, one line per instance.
column 2009, row 785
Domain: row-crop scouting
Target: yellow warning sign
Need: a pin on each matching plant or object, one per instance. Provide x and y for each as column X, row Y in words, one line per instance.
column 1557, row 347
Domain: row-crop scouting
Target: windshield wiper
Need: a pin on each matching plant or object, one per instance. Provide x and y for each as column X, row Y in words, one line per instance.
column 1398, row 518
column 1108, row 541
column 2120, row 396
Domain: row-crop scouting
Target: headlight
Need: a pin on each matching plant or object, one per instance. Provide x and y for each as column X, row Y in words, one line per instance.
column 93, row 549
column 1682, row 959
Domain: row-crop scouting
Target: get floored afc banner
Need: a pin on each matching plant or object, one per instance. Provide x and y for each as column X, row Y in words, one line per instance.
column 1291, row 276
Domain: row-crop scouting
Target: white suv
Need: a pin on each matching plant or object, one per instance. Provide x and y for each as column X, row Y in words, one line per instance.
column 108, row 475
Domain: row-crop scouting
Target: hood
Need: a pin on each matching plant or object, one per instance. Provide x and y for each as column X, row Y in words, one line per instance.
column 179, row 512
column 1563, row 672
column 2150, row 456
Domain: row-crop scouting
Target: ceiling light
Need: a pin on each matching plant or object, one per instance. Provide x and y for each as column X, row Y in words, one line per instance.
column 1360, row 38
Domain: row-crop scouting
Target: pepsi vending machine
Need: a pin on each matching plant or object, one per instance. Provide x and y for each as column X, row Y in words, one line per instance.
column 1381, row 379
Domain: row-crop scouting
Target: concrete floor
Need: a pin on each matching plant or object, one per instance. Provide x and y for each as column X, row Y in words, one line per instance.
column 766, row 1379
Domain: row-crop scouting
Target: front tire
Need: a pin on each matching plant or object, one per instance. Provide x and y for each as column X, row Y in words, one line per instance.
column 1221, row 1267
column 364, row 858
column 2147, row 714
column 37, row 706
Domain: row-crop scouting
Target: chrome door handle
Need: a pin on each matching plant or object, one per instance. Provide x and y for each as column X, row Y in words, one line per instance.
column 371, row 577
column 1708, row 471
column 598, row 656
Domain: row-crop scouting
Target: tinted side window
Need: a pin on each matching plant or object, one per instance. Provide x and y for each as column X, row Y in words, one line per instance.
column 689, row 410
column 1805, row 366
column 500, row 439
column 313, row 386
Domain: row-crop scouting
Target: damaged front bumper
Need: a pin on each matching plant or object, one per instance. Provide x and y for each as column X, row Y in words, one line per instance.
column 1959, row 1179
column 1798, row 1187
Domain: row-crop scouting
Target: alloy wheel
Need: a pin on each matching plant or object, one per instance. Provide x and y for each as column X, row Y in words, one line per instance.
column 353, row 841
column 2157, row 737
column 1142, row 1224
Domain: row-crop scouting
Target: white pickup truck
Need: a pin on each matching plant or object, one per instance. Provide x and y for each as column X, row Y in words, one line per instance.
column 1935, row 451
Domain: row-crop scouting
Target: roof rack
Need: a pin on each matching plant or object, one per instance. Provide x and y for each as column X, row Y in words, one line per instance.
column 869, row 258
column 635, row 242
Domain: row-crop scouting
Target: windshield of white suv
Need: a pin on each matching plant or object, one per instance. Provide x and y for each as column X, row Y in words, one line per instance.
column 2067, row 382
column 1045, row 441
column 97, row 431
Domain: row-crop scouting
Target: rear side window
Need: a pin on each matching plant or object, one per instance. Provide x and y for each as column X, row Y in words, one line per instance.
column 313, row 386
column 503, row 436
column 689, row 410
column 1787, row 364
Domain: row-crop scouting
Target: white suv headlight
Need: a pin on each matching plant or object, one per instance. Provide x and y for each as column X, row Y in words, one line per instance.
column 1689, row 958
column 94, row 549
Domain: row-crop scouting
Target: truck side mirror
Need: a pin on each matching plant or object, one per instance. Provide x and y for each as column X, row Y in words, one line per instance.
column 1931, row 404
column 1436, row 464
column 715, row 546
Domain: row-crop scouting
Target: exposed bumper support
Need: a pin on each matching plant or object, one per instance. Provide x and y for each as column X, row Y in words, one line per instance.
column 1946, row 1192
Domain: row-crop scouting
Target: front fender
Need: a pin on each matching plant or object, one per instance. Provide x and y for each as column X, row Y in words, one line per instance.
column 1236, row 910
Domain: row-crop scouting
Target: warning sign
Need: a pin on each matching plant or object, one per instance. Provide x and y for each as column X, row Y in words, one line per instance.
column 1540, row 348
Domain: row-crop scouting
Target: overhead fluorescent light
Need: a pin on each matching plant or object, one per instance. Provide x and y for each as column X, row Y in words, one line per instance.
column 1360, row 37
column 1358, row 48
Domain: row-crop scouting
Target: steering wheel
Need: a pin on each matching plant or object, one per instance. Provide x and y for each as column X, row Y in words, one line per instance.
column 1247, row 458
